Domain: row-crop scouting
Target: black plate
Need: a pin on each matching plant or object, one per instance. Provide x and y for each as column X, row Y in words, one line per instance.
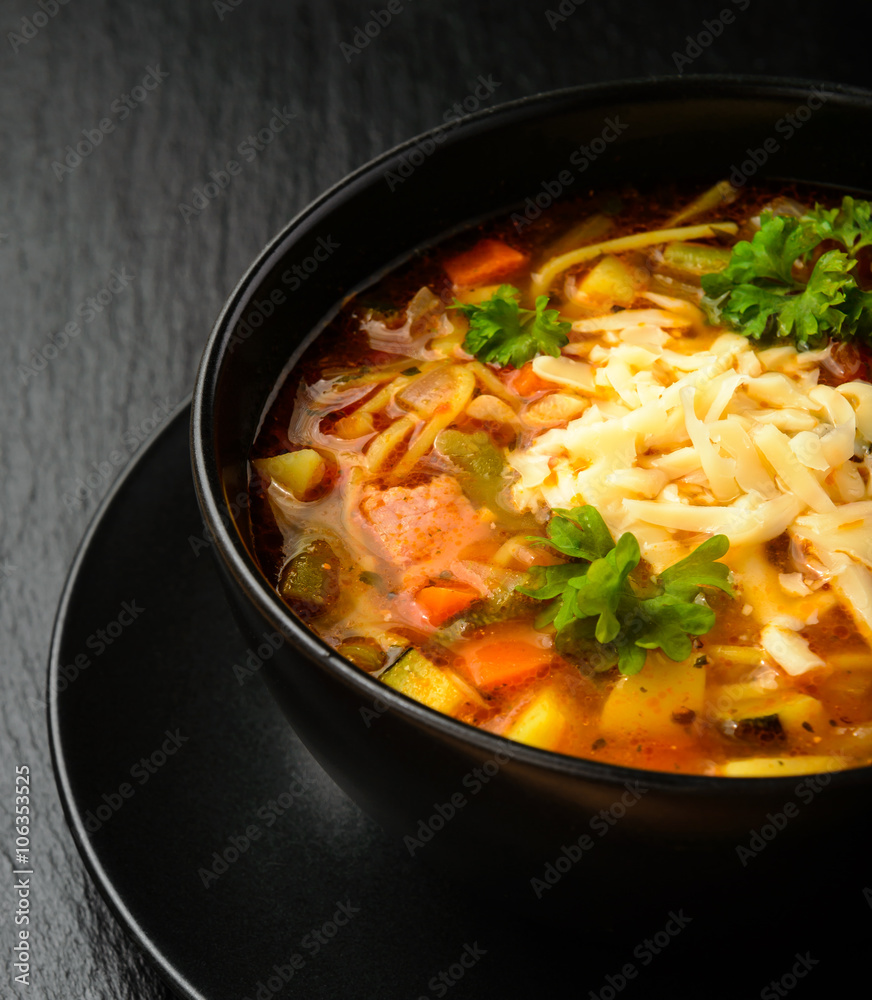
column 312, row 899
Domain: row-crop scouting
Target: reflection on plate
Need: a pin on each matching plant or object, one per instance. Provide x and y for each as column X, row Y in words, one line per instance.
column 245, row 873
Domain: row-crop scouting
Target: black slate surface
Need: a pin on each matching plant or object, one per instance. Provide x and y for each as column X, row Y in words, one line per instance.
column 74, row 409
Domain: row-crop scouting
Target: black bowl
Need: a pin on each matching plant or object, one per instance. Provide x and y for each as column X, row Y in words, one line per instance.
column 510, row 818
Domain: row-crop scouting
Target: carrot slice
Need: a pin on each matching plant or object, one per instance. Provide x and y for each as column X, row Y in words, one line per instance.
column 442, row 603
column 505, row 662
column 526, row 382
column 486, row 262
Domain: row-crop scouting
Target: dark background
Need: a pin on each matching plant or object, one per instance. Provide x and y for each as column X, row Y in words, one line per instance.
column 64, row 410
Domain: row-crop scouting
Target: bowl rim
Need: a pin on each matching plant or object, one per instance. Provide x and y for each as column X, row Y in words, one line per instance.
column 207, row 480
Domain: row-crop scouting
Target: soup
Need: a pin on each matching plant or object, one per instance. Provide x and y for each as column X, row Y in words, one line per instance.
column 599, row 482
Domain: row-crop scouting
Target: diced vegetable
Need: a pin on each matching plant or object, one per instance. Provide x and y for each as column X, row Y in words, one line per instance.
column 695, row 258
column 542, row 723
column 653, row 702
column 502, row 604
column 476, row 455
column 298, row 471
column 800, row 712
column 310, row 580
column 363, row 652
column 442, row 603
column 419, row 678
column 609, row 282
column 487, row 261
column 737, row 703
column 482, row 474
column 505, row 661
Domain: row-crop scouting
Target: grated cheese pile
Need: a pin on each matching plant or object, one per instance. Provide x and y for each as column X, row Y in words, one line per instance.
column 684, row 431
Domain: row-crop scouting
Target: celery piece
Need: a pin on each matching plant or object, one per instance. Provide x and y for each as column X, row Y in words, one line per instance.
column 310, row 581
column 695, row 258
column 482, row 474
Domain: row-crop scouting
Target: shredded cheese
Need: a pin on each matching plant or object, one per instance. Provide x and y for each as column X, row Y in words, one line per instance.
column 685, row 434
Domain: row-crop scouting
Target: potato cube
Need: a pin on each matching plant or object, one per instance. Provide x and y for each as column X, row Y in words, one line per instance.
column 657, row 702
column 542, row 723
column 298, row 471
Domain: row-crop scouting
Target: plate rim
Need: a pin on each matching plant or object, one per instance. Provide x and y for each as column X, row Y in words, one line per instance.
column 98, row 874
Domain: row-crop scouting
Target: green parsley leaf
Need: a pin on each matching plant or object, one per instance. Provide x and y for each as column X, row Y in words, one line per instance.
column 759, row 293
column 851, row 224
column 581, row 533
column 605, row 619
column 502, row 332
column 699, row 569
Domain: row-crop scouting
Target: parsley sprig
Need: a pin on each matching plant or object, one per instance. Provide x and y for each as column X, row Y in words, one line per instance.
column 760, row 293
column 502, row 332
column 601, row 615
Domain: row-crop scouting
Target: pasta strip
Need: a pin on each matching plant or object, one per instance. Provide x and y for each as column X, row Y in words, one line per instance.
column 637, row 241
column 444, row 416
column 383, row 446
column 493, row 385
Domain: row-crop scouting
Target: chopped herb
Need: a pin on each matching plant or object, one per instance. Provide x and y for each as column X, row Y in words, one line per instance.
column 762, row 291
column 700, row 661
column 502, row 332
column 370, row 579
column 600, row 615
column 411, row 371
column 598, row 744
